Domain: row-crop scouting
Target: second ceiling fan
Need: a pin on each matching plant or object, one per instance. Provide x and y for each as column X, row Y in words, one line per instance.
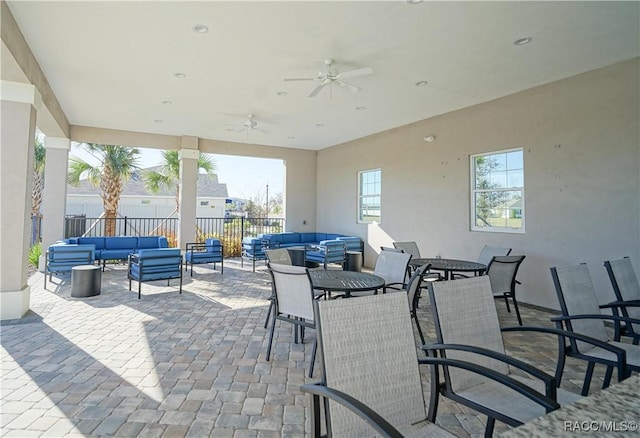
column 328, row 75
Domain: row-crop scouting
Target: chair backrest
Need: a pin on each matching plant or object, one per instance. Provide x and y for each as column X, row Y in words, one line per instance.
column 278, row 256
column 388, row 248
column 489, row 252
column 464, row 312
column 502, row 271
column 625, row 285
column 369, row 353
column 293, row 291
column 409, row 248
column 577, row 296
column 414, row 285
column 392, row 266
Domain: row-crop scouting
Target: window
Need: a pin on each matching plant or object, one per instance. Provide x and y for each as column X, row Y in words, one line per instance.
column 497, row 191
column 204, row 203
column 369, row 188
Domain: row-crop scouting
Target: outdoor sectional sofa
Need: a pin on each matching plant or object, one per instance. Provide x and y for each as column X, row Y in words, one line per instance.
column 118, row 247
column 253, row 247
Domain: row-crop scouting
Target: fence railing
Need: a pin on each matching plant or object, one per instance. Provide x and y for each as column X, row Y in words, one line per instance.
column 229, row 230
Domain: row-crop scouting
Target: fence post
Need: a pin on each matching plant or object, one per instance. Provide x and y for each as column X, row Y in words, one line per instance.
column 125, row 225
column 242, row 228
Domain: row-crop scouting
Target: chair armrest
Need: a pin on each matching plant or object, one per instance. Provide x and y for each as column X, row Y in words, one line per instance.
column 549, row 381
column 195, row 246
column 373, row 419
column 620, row 304
column 549, row 403
column 598, row 316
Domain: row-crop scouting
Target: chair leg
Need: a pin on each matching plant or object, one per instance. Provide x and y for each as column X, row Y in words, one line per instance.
column 515, row 306
column 419, row 329
column 139, row 289
column 587, row 379
column 488, row 432
column 266, row 321
column 607, row 377
column 273, row 327
column 506, row 301
column 313, row 356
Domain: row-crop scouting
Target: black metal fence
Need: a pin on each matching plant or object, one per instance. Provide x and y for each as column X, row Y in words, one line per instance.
column 229, row 230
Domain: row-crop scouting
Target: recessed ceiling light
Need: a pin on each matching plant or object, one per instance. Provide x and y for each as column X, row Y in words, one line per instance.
column 291, row 137
column 200, row 28
column 522, row 41
column 421, row 83
column 430, row 138
column 180, row 75
column 166, row 102
column 282, row 93
column 319, row 125
column 360, row 108
column 157, row 121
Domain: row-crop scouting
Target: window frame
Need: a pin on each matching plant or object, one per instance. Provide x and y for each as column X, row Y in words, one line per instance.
column 473, row 191
column 359, row 211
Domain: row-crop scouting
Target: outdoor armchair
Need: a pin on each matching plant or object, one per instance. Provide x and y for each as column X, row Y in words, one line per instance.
column 61, row 258
column 581, row 314
column 293, row 302
column 468, row 329
column 627, row 290
column 371, row 382
column 486, row 254
column 328, row 251
column 502, row 271
column 211, row 251
column 155, row 264
column 392, row 266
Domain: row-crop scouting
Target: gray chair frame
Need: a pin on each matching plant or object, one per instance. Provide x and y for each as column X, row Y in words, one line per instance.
column 591, row 324
column 627, row 291
column 502, row 271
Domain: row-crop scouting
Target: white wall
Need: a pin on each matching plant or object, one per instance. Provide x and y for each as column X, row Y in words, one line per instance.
column 581, row 145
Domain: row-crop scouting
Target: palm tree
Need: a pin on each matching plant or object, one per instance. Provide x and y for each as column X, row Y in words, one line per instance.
column 117, row 164
column 38, row 177
column 168, row 176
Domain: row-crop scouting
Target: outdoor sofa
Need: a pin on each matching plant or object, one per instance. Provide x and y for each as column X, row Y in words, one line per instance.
column 118, row 247
column 253, row 247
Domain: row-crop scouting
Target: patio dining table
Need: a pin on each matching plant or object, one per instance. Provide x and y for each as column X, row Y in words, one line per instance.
column 333, row 280
column 447, row 266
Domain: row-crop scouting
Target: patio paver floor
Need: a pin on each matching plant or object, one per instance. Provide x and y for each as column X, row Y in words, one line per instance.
column 172, row 365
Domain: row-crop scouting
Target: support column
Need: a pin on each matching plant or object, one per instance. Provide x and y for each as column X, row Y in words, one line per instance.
column 19, row 107
column 54, row 198
column 189, row 155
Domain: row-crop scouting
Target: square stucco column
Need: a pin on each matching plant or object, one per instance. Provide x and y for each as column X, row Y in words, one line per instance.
column 20, row 103
column 189, row 155
column 54, row 198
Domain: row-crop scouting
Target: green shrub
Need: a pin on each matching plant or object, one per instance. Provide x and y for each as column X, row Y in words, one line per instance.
column 34, row 254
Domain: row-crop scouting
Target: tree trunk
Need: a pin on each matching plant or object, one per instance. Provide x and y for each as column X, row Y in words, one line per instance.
column 111, row 187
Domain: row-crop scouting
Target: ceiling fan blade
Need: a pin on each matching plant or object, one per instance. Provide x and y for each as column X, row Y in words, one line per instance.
column 354, row 73
column 351, row 87
column 299, row 79
column 317, row 89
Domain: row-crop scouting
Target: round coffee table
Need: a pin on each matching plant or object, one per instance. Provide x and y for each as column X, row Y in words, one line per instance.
column 450, row 265
column 331, row 280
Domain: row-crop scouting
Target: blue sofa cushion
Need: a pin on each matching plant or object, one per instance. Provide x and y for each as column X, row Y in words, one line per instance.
column 62, row 258
column 98, row 242
column 309, row 238
column 353, row 243
column 152, row 242
column 121, row 243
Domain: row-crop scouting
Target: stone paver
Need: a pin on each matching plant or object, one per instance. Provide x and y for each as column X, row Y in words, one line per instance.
column 172, row 365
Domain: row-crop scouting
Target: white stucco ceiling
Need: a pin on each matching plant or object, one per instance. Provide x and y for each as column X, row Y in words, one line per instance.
column 112, row 64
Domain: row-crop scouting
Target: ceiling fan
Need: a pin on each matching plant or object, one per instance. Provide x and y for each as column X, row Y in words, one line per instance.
column 328, row 75
column 250, row 125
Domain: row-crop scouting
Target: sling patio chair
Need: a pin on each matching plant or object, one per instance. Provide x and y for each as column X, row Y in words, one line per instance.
column 502, row 271
column 581, row 314
column 627, row 290
column 413, row 295
column 486, row 254
column 371, row 383
column 293, row 302
column 468, row 329
column 278, row 256
column 412, row 248
column 392, row 266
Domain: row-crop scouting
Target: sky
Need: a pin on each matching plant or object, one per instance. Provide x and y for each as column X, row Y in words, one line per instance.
column 246, row 177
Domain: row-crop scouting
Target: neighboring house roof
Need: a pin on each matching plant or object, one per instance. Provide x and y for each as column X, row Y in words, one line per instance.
column 208, row 186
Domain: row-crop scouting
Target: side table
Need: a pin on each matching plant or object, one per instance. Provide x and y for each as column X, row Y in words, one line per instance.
column 354, row 261
column 86, row 281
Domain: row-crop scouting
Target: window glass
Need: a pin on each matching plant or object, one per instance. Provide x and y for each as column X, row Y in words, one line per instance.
column 497, row 191
column 369, row 191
